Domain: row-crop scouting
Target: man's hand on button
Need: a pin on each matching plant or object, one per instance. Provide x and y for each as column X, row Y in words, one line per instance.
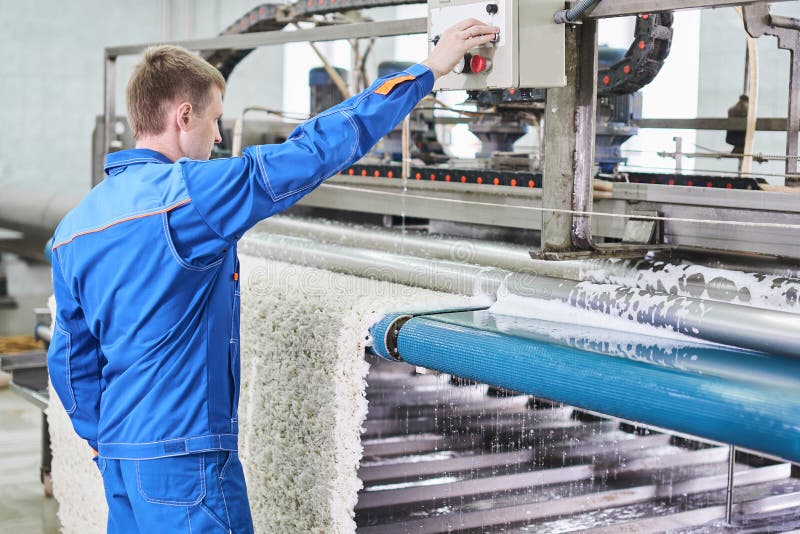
column 456, row 41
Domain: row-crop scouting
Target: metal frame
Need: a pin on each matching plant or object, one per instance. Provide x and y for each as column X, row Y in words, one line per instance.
column 569, row 163
column 512, row 207
column 720, row 205
column 566, row 182
column 765, row 124
column 758, row 22
column 573, row 120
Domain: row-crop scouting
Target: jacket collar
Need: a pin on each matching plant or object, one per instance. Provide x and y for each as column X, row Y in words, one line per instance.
column 123, row 158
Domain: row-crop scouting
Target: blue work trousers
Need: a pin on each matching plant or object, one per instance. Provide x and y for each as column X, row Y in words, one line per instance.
column 193, row 493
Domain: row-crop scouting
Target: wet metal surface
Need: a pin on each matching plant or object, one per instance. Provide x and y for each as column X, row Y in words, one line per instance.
column 518, row 464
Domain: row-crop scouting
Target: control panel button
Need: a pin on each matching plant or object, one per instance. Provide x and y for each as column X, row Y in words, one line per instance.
column 478, row 64
column 463, row 67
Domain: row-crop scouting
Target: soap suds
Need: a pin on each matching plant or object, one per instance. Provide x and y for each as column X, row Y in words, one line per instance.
column 698, row 281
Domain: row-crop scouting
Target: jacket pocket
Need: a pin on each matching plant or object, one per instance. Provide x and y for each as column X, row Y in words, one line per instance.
column 58, row 365
column 173, row 481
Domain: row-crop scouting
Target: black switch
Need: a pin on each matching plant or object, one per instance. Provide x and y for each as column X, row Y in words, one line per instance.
column 491, row 9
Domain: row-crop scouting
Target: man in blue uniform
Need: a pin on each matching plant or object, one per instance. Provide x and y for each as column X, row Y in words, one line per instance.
column 145, row 348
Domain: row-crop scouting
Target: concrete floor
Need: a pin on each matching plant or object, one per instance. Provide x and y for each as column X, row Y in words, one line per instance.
column 23, row 506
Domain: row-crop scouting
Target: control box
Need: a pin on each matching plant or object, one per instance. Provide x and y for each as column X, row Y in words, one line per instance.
column 528, row 51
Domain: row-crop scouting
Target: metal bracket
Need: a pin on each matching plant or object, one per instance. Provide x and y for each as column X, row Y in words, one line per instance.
column 641, row 231
column 602, row 250
column 392, row 333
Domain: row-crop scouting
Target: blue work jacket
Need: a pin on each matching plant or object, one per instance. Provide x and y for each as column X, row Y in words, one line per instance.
column 145, row 347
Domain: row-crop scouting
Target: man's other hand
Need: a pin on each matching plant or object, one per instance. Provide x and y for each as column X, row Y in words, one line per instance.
column 456, row 41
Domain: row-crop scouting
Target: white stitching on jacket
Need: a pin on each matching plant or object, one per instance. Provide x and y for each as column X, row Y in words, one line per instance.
column 68, row 337
column 174, row 251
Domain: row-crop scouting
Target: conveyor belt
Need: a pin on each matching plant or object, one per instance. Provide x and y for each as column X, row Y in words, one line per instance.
column 511, row 463
column 493, row 178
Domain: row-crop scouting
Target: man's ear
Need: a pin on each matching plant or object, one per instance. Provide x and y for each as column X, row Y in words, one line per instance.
column 183, row 115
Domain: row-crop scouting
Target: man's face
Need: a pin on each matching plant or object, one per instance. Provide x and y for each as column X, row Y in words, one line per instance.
column 202, row 131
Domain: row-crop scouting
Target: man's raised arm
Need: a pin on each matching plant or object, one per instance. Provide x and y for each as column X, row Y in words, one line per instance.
column 232, row 195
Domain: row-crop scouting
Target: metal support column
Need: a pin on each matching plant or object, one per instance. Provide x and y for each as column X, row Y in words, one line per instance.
column 729, row 490
column 109, row 104
column 570, row 119
column 759, row 22
column 585, row 118
column 6, row 300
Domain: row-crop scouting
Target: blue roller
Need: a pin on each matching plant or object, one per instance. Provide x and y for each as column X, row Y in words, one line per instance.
column 745, row 398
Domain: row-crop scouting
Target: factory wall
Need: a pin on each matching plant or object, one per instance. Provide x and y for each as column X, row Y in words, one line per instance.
column 52, row 86
column 722, row 59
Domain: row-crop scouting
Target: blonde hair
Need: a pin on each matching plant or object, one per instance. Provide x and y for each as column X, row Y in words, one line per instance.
column 165, row 75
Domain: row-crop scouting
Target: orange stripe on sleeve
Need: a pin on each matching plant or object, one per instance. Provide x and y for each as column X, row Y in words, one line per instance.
column 387, row 86
column 134, row 217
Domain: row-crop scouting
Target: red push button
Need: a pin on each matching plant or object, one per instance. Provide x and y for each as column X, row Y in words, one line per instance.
column 479, row 63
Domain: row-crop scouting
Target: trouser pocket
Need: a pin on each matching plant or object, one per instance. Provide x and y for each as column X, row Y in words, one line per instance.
column 174, row 481
column 182, row 494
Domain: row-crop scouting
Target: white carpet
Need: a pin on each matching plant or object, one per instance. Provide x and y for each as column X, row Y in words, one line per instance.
column 76, row 480
column 303, row 402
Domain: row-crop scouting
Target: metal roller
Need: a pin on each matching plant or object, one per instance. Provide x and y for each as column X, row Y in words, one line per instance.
column 443, row 276
column 746, row 285
column 770, row 331
column 730, row 324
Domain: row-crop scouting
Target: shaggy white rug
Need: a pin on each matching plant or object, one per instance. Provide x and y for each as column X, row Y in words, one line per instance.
column 302, row 399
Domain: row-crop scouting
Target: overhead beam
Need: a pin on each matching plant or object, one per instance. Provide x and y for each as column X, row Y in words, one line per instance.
column 247, row 41
column 767, row 124
column 623, row 8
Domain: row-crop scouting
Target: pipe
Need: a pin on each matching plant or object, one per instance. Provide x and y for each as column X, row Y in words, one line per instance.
column 332, row 73
column 770, row 331
column 506, row 256
column 780, row 21
column 748, row 411
column 34, row 212
column 43, row 332
column 572, row 14
column 238, row 129
column 729, row 490
column 442, row 276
